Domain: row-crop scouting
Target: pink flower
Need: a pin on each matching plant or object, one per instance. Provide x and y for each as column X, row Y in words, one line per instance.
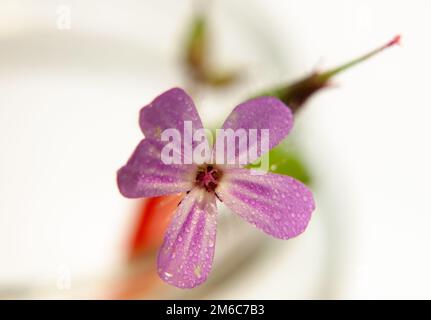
column 278, row 205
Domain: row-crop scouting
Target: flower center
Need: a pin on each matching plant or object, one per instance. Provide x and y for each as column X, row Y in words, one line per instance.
column 208, row 177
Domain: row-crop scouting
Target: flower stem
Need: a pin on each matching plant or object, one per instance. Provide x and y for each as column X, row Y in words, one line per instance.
column 297, row 93
column 332, row 72
column 197, row 55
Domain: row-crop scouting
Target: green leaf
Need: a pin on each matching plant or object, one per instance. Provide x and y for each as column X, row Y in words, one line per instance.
column 287, row 162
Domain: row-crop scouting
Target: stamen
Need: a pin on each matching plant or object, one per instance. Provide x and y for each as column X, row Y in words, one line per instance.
column 218, row 197
column 208, row 177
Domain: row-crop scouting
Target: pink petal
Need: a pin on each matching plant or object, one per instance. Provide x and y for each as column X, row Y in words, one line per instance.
column 169, row 111
column 260, row 113
column 145, row 175
column 185, row 258
column 279, row 205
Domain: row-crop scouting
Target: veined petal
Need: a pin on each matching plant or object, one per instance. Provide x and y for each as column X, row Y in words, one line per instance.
column 262, row 114
column 279, row 205
column 185, row 258
column 173, row 109
column 145, row 175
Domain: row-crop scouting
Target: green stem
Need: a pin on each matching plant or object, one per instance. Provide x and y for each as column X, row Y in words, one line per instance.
column 330, row 73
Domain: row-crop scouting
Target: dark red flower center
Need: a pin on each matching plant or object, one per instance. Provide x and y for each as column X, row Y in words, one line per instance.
column 208, row 177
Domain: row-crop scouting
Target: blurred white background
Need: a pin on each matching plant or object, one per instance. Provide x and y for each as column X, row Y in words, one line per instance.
column 69, row 101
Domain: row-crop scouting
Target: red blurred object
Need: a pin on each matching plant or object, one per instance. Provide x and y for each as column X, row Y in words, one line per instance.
column 154, row 216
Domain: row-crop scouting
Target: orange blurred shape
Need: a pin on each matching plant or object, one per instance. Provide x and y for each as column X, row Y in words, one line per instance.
column 154, row 216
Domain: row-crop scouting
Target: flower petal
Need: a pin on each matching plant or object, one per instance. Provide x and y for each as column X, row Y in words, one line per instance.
column 170, row 110
column 279, row 205
column 145, row 175
column 260, row 113
column 185, row 258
